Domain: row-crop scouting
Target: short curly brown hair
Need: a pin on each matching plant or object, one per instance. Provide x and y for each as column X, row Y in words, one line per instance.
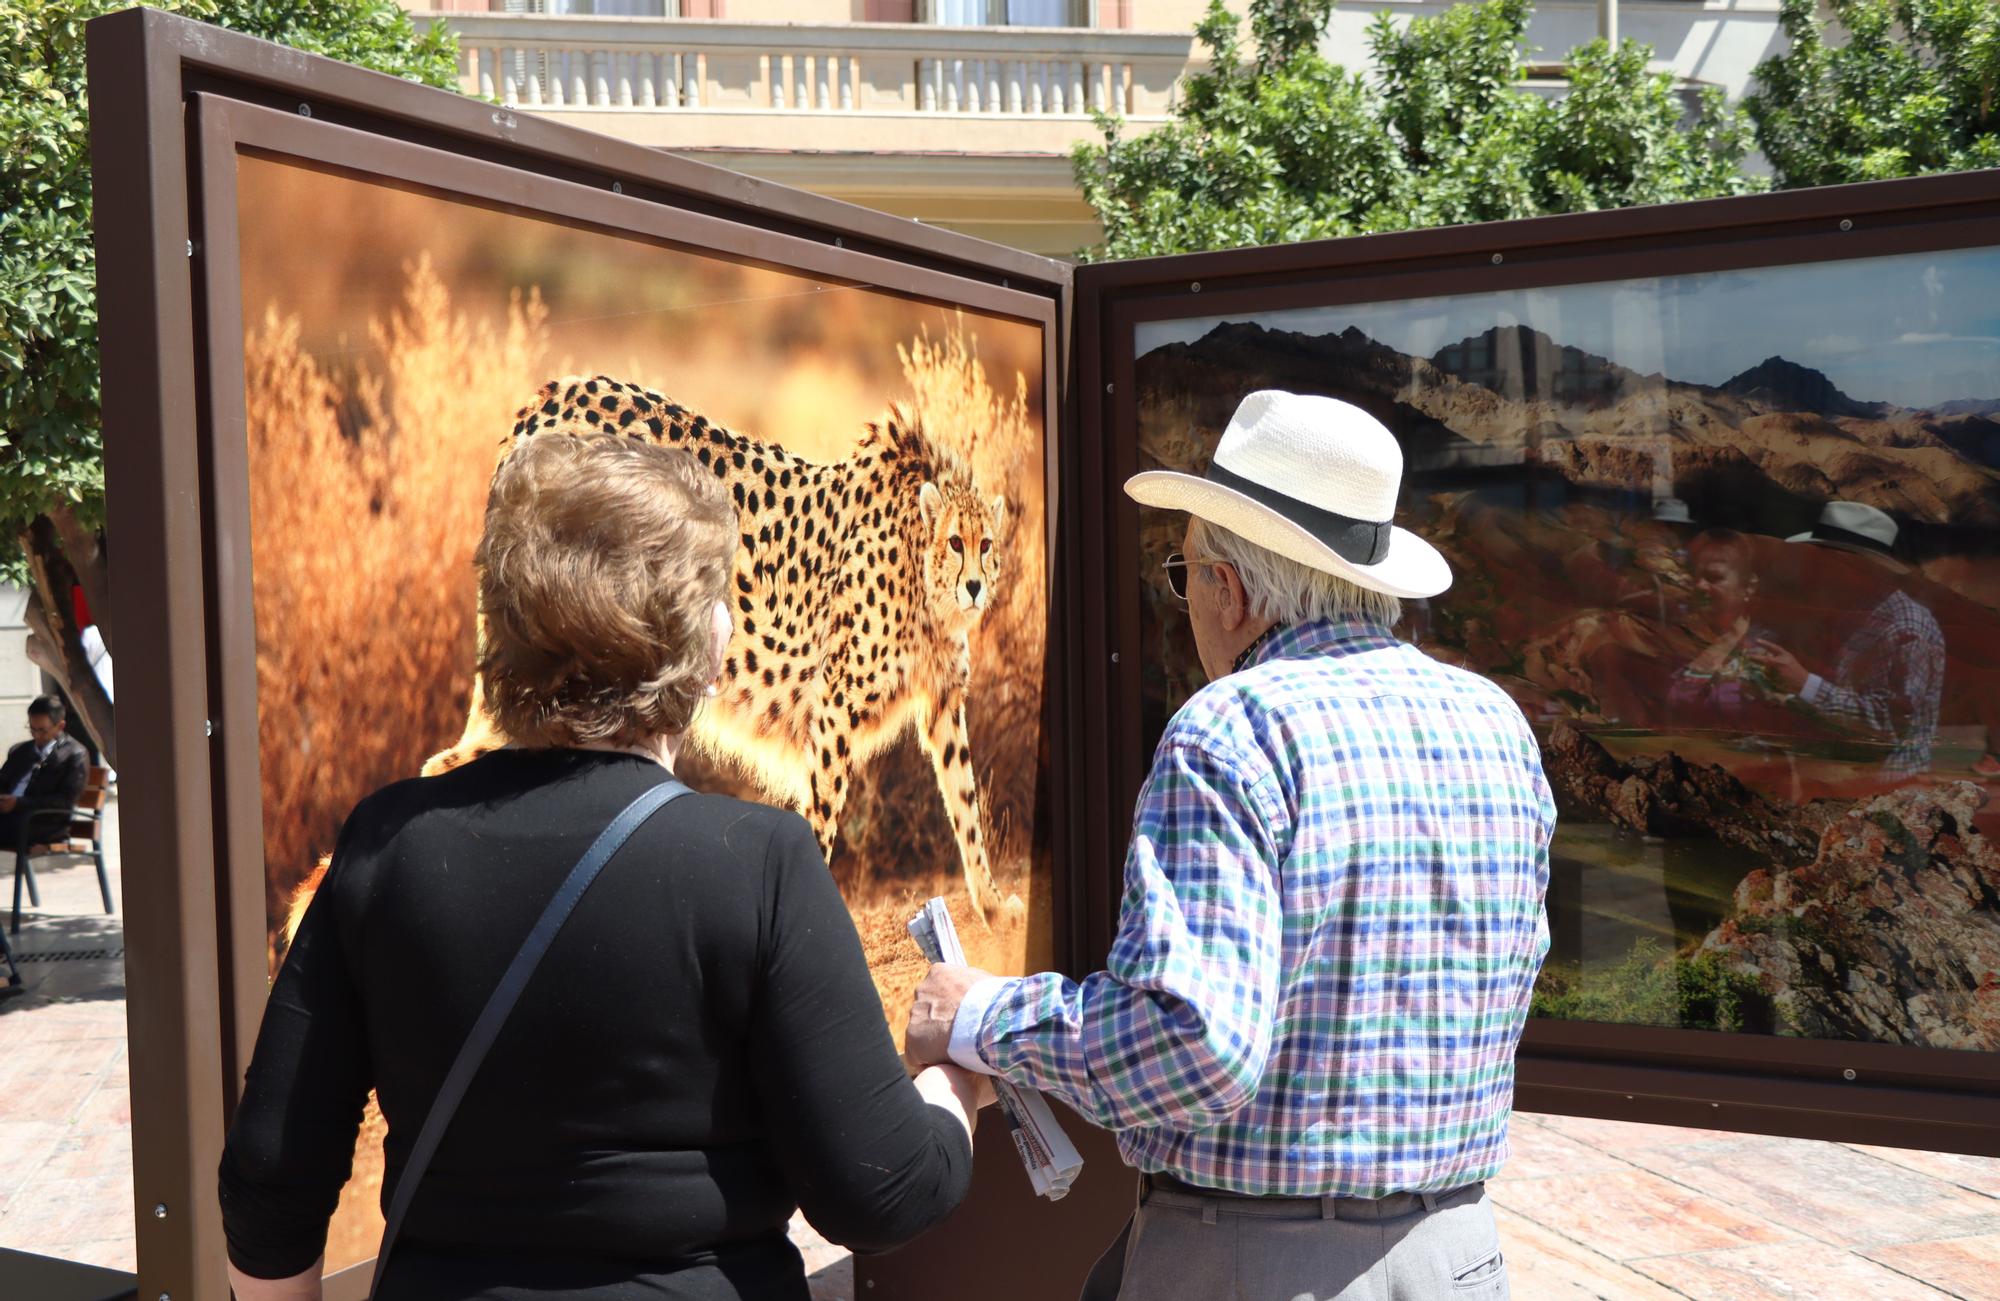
column 599, row 570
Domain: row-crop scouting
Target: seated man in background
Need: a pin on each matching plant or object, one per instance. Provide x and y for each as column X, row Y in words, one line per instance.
column 1333, row 910
column 44, row 773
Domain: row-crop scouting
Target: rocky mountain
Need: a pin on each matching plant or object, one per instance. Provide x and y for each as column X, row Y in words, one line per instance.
column 1524, row 364
column 1968, row 407
column 1781, row 385
column 1515, row 397
column 1890, row 934
column 1668, row 796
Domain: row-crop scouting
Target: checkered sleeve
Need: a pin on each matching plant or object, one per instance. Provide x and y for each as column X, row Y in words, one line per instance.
column 1176, row 1031
column 1896, row 691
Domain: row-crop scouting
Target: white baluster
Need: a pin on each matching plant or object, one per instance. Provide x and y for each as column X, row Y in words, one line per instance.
column 533, row 90
column 780, row 69
column 850, row 73
column 670, row 80
column 488, row 64
column 1016, row 74
column 974, row 87
column 647, row 97
column 691, row 65
column 1038, row 85
column 1076, row 87
column 822, row 76
column 1100, row 73
column 926, row 86
column 600, row 79
column 579, row 69
column 992, row 100
column 953, row 79
column 623, row 68
column 510, row 89
column 552, row 74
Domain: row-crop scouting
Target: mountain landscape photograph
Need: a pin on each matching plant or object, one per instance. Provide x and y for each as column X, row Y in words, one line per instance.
column 1729, row 539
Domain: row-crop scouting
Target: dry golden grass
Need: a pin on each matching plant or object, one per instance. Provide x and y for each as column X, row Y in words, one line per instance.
column 364, row 512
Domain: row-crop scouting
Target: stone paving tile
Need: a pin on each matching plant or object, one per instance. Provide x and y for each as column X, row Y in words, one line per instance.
column 1542, row 1265
column 47, row 1215
column 90, row 1156
column 1964, row 1267
column 1541, row 1151
column 1819, row 1190
column 106, row 1253
column 1616, row 1135
column 1635, row 1213
column 1981, row 1174
column 1793, row 1271
column 24, row 1146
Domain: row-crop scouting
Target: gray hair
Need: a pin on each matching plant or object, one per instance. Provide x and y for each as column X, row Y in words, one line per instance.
column 1282, row 589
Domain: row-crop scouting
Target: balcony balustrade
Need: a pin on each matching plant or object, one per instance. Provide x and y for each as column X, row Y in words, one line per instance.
column 665, row 65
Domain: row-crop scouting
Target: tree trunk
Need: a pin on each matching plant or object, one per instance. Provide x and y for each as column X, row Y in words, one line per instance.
column 54, row 640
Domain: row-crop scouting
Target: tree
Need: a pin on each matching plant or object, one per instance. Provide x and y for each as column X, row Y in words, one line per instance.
column 1285, row 145
column 1904, row 87
column 51, row 462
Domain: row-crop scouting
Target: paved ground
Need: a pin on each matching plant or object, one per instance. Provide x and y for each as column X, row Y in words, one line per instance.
column 1588, row 1208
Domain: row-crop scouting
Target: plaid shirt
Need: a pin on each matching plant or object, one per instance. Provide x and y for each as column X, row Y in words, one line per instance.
column 1332, row 920
column 1888, row 681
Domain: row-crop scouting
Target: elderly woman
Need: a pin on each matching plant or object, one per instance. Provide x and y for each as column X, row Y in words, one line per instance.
column 700, row 1051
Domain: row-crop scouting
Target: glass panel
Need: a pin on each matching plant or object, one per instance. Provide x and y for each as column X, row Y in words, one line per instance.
column 1729, row 541
column 391, row 336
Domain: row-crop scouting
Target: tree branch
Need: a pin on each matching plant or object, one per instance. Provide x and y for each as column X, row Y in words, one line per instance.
column 84, row 549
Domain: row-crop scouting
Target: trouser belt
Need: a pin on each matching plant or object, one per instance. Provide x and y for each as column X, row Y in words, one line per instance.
column 1165, row 1190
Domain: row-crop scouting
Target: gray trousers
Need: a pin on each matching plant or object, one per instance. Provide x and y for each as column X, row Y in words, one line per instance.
column 1407, row 1247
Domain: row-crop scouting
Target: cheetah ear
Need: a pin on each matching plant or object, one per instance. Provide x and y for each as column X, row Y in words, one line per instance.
column 999, row 516
column 930, row 501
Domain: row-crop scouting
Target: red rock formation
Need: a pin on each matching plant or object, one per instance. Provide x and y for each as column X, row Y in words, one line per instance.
column 1890, row 934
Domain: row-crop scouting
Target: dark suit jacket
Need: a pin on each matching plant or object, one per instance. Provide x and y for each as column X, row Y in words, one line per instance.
column 56, row 784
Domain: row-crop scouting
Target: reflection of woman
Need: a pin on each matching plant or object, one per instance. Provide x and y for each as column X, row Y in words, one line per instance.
column 1722, row 681
column 702, row 1048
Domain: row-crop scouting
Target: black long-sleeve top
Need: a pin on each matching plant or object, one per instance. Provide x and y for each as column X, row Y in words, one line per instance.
column 700, row 1050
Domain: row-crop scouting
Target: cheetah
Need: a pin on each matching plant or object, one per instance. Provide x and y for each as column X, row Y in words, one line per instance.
column 855, row 589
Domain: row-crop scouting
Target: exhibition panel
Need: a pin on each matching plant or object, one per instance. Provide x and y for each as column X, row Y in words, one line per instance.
column 1729, row 543
column 383, row 288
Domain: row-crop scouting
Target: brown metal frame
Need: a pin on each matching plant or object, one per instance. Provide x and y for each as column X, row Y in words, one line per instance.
column 172, row 102
column 1919, row 1097
column 169, row 93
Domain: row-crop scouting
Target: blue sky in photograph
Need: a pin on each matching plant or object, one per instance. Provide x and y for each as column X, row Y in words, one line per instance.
column 1914, row 329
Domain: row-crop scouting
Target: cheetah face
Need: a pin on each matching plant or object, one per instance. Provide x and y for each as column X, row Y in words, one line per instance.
column 961, row 551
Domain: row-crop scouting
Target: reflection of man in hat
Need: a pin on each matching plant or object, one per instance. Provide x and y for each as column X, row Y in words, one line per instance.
column 1889, row 676
column 1333, row 908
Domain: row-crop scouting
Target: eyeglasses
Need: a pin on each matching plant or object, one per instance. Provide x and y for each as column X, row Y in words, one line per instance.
column 1176, row 566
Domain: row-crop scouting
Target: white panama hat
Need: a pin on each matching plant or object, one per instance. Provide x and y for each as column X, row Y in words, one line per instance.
column 1852, row 526
column 1313, row 479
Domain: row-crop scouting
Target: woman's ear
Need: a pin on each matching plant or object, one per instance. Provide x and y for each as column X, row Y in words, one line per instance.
column 722, row 627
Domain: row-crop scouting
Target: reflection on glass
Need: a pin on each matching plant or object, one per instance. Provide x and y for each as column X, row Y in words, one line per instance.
column 1727, row 545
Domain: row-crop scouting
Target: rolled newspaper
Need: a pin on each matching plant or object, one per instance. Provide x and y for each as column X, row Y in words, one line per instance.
column 1052, row 1161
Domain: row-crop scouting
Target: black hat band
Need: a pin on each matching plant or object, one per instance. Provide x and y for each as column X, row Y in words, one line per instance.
column 1360, row 542
column 1835, row 533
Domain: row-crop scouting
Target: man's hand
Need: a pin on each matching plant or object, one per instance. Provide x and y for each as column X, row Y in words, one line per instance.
column 7, row 803
column 927, row 1038
column 1781, row 664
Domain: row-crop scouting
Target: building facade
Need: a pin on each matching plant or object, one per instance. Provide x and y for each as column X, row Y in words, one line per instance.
column 958, row 113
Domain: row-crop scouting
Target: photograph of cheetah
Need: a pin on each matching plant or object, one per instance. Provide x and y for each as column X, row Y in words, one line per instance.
column 889, row 460
column 856, row 587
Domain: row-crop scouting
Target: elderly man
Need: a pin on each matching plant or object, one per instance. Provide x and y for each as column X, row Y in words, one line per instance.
column 1333, row 909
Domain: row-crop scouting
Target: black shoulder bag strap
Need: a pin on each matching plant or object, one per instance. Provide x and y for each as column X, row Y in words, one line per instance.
column 502, row 1001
